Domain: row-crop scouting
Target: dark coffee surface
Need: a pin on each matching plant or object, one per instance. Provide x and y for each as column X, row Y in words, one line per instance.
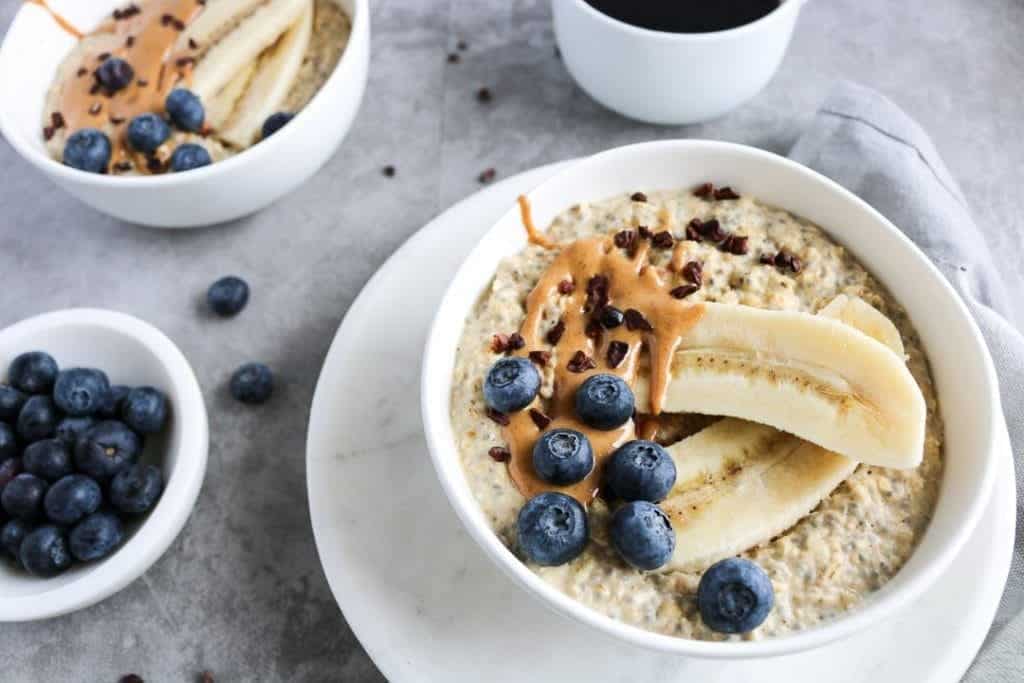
column 685, row 16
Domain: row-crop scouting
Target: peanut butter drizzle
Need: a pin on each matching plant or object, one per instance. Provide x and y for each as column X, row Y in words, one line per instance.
column 633, row 283
column 151, row 54
column 532, row 234
column 60, row 20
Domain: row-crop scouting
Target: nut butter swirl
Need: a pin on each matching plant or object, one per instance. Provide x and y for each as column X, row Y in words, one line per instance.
column 633, row 283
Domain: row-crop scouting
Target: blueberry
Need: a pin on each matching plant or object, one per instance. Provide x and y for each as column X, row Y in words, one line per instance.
column 105, row 449
column 562, row 456
column 734, row 596
column 641, row 470
column 611, row 317
column 228, row 295
column 136, row 489
column 115, row 74
column 252, row 383
column 145, row 410
column 96, row 536
column 81, row 391
column 23, row 497
column 33, row 372
column 189, row 157
column 44, row 552
column 70, row 428
column 111, row 410
column 12, row 534
column 9, row 469
column 49, row 459
column 87, row 150
column 147, row 132
column 11, row 401
column 604, row 402
column 185, row 109
column 38, row 419
column 511, row 384
column 72, row 498
column 552, row 529
column 8, row 442
column 642, row 535
column 276, row 122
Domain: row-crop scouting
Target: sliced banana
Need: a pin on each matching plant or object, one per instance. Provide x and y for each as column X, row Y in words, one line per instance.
column 269, row 87
column 218, row 18
column 812, row 376
column 858, row 313
column 243, row 45
column 224, row 104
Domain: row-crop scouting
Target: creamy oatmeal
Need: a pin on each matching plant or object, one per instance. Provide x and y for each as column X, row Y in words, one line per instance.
column 851, row 544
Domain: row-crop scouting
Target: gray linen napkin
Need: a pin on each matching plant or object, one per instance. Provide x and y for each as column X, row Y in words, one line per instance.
column 866, row 143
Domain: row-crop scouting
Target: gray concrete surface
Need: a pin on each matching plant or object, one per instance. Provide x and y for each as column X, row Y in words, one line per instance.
column 241, row 592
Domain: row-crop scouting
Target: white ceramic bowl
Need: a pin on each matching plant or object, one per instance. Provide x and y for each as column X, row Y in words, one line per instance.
column 235, row 187
column 670, row 78
column 964, row 375
column 135, row 353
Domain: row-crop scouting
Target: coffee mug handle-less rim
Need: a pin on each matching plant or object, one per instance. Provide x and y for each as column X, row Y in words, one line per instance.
column 655, row 34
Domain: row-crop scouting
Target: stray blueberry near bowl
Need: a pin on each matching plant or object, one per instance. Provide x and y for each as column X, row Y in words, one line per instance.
column 11, row 401
column 44, row 552
column 12, row 534
column 147, row 132
column 88, row 150
column 640, row 470
column 23, row 497
column 111, row 410
column 562, row 456
column 185, row 109
column 552, row 528
column 136, row 489
column 189, row 157
column 642, row 535
column 604, row 402
column 70, row 428
column 96, row 536
column 145, row 410
column 81, row 391
column 38, row 419
column 511, row 384
column 276, row 122
column 252, row 383
column 115, row 74
column 33, row 372
column 8, row 442
column 72, row 498
column 228, row 295
column 49, row 459
column 107, row 448
column 734, row 596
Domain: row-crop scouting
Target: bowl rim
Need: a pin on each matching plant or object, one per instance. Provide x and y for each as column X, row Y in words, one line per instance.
column 165, row 521
column 359, row 31
column 436, row 421
column 676, row 37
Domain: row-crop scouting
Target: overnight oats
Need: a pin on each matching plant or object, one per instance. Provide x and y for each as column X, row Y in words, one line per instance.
column 697, row 414
column 173, row 85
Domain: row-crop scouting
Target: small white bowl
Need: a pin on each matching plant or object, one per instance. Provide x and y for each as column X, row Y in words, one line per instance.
column 670, row 78
column 34, row 48
column 962, row 368
column 134, row 353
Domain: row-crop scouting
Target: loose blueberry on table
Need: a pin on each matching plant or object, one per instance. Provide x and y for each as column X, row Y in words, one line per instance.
column 228, row 296
column 252, row 383
column 69, row 473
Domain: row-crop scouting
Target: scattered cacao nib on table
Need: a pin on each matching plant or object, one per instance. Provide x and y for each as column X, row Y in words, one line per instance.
column 486, row 176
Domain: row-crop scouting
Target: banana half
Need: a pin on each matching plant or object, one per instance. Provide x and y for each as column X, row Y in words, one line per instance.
column 739, row 484
column 818, row 377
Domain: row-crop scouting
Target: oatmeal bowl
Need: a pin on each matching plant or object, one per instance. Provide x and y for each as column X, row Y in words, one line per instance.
column 182, row 113
column 707, row 401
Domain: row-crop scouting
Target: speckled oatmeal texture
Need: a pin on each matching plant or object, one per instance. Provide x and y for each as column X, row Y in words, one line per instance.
column 847, row 548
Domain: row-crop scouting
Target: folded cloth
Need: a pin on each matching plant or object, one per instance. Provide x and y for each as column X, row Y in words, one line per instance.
column 870, row 146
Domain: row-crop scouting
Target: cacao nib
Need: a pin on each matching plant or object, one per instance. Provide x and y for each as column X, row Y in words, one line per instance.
column 694, row 272
column 500, row 454
column 593, row 330
column 597, row 293
column 644, row 232
column 635, row 320
column 555, row 333
column 516, row 341
column 617, row 351
column 540, row 358
column 625, row 239
column 499, row 343
column 683, row 291
column 735, row 244
column 611, row 317
column 704, row 190
column 663, row 240
column 497, row 416
column 638, row 197
column 725, row 193
column 581, row 362
column 566, row 287
column 540, row 419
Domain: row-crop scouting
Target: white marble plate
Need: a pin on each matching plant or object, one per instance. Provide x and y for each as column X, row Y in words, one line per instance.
column 429, row 606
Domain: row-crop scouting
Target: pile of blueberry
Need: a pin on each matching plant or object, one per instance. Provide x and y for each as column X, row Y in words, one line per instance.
column 69, row 472
column 90, row 149
column 734, row 596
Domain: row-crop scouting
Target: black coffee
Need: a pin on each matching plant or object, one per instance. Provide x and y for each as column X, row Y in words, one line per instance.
column 685, row 16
